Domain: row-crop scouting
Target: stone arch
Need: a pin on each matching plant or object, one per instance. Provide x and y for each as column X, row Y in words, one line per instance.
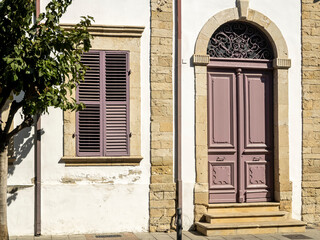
column 256, row 18
column 281, row 63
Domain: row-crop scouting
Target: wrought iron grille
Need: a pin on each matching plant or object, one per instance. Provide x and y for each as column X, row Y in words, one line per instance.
column 239, row 40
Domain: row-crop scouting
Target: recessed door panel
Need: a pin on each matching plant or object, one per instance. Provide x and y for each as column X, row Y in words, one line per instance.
column 257, row 106
column 222, row 111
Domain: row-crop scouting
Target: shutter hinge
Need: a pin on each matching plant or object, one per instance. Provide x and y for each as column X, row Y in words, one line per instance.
column 130, row 134
column 129, row 72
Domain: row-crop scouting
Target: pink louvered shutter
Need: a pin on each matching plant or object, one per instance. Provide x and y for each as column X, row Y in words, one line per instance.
column 117, row 103
column 89, row 92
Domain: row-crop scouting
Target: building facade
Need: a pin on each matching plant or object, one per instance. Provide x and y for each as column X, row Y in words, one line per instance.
column 247, row 133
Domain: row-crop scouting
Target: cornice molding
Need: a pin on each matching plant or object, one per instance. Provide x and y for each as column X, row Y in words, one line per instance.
column 110, row 30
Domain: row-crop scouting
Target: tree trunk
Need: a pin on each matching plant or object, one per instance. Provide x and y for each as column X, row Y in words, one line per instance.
column 3, row 195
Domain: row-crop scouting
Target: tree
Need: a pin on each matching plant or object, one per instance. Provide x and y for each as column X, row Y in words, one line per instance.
column 39, row 61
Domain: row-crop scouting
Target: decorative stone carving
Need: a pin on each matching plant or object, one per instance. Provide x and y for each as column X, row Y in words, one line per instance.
column 201, row 59
column 243, row 6
column 281, row 63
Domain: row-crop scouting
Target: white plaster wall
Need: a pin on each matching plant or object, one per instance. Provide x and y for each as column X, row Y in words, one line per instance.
column 21, row 212
column 20, row 183
column 286, row 15
column 102, row 199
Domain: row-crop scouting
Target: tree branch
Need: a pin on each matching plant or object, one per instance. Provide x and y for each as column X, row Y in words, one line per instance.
column 27, row 122
column 5, row 94
column 13, row 109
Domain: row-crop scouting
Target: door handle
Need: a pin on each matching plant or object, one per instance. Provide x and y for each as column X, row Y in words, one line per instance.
column 256, row 159
column 220, row 158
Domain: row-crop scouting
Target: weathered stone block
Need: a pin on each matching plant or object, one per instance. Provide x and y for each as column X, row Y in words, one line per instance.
column 169, row 187
column 162, row 204
column 308, row 208
column 156, row 195
column 162, row 170
column 161, row 178
column 201, row 198
column 157, row 212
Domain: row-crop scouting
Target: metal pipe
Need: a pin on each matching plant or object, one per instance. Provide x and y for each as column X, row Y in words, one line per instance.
column 37, row 167
column 178, row 117
column 37, row 170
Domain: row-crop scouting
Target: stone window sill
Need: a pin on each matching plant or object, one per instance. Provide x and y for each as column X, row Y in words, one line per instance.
column 102, row 161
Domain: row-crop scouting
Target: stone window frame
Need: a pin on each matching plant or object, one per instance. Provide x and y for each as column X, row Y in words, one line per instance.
column 114, row 38
column 281, row 64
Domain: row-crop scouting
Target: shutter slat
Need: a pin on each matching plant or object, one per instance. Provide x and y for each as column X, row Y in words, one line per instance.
column 117, row 128
column 116, row 77
column 89, row 89
column 89, row 130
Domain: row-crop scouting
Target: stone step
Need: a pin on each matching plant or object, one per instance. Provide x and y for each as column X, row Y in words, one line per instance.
column 250, row 228
column 242, row 217
column 243, row 207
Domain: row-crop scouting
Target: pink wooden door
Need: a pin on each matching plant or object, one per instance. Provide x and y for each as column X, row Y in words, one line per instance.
column 240, row 133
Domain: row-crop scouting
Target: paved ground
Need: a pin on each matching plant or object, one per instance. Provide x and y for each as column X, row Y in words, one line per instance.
column 311, row 233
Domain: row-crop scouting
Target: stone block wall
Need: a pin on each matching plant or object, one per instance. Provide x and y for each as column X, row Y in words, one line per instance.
column 311, row 111
column 162, row 186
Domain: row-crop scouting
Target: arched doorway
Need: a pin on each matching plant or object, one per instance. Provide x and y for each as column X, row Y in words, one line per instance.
column 281, row 63
column 240, row 114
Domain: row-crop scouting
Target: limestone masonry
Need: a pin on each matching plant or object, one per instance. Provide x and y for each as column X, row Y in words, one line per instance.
column 162, row 187
column 311, row 111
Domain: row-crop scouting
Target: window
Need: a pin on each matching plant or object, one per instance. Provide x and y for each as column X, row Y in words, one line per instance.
column 102, row 128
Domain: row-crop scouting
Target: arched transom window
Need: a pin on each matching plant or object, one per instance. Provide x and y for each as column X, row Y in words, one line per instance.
column 239, row 40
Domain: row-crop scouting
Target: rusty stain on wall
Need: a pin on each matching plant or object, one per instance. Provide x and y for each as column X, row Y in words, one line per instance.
column 68, row 180
column 131, row 175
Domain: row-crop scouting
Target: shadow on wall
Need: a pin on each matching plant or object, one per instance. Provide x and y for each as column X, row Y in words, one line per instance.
column 13, row 195
column 19, row 148
column 22, row 145
column 315, row 1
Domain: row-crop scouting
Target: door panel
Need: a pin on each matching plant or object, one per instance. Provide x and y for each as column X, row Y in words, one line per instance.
column 255, row 144
column 240, row 136
column 222, row 111
column 257, row 107
column 222, row 137
column 222, row 181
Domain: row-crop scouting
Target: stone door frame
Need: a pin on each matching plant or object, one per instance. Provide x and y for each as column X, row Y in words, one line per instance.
column 281, row 64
